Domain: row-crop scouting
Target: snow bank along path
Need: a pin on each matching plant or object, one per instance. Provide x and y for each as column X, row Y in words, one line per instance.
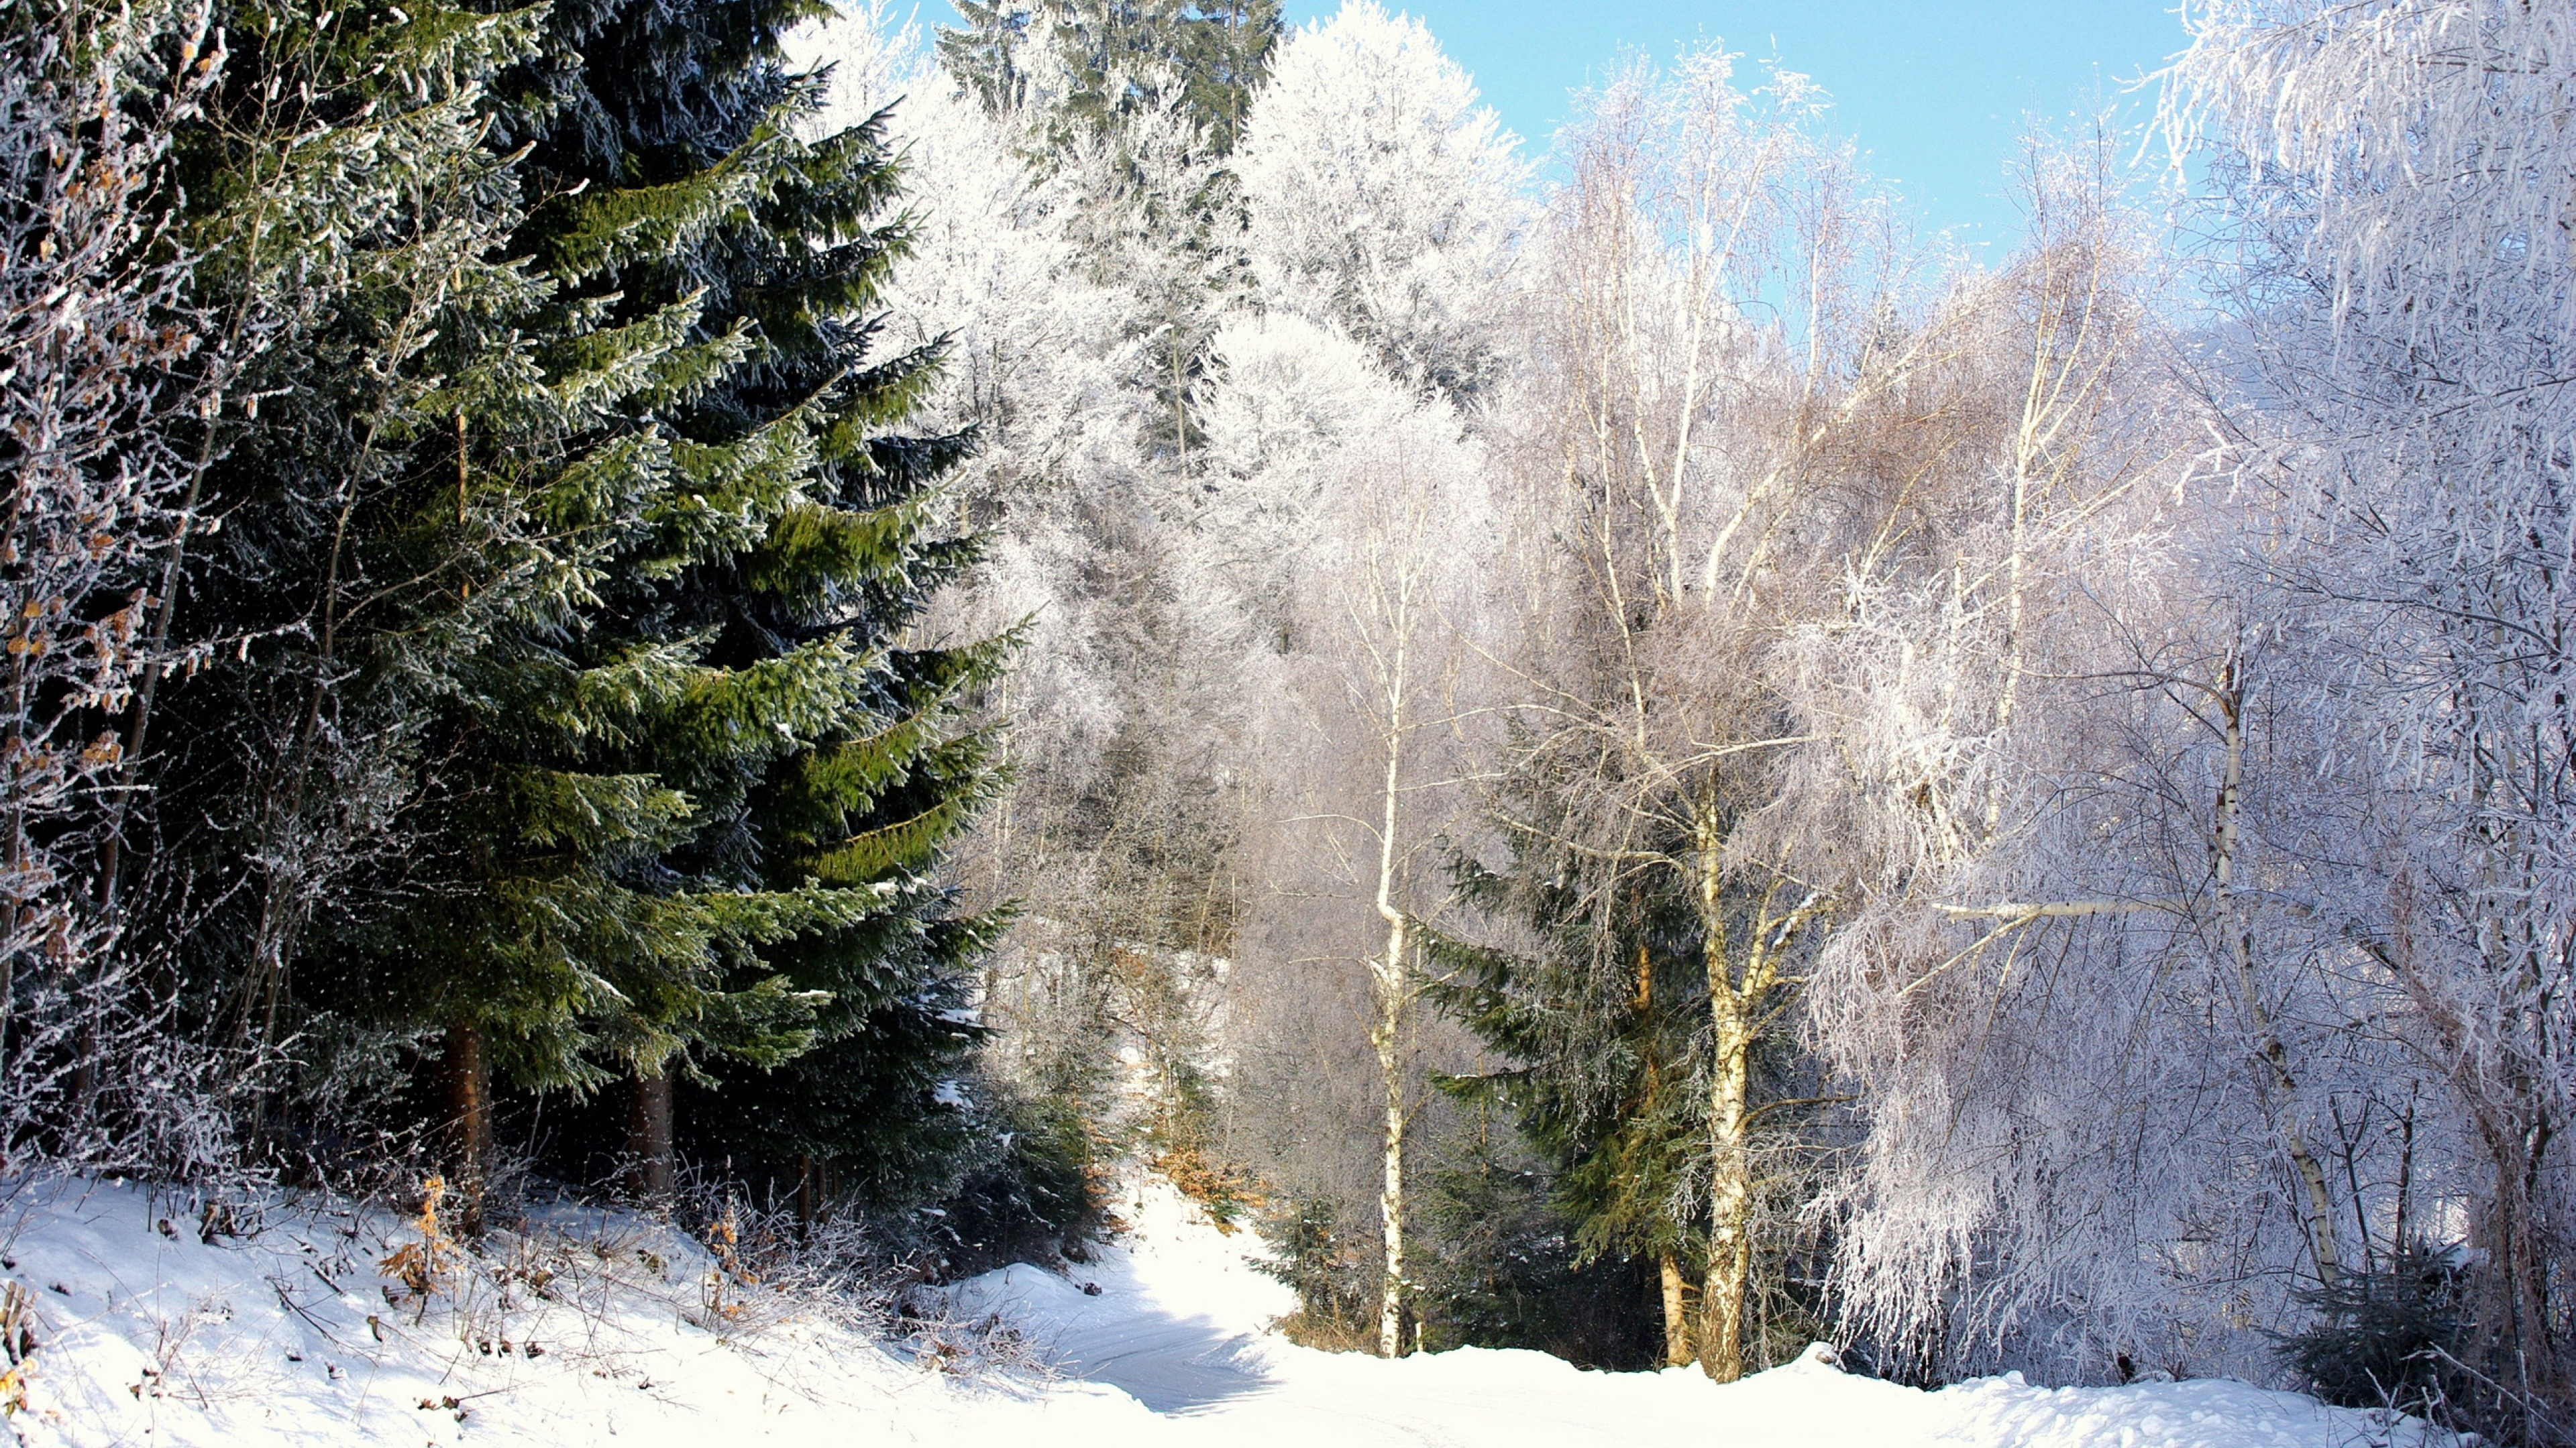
column 597, row 1328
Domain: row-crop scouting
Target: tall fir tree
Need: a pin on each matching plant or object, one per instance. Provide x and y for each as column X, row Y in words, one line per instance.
column 381, row 349
column 568, row 733
column 441, row 456
column 821, row 755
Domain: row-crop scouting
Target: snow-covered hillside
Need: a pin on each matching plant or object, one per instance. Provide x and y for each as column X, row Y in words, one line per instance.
column 589, row 1330
column 593, row 1329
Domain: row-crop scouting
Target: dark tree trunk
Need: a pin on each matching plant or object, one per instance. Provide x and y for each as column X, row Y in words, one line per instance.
column 465, row 1093
column 651, row 1173
column 807, row 1192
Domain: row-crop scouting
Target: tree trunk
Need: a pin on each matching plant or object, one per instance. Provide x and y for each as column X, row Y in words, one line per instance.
column 2512, row 1308
column 2012, row 622
column 2316, row 1199
column 465, row 1091
column 1677, row 1334
column 1180, row 398
column 1390, row 1198
column 1730, row 1227
column 1731, row 1003
column 1388, row 1037
column 651, row 1173
column 806, row 1204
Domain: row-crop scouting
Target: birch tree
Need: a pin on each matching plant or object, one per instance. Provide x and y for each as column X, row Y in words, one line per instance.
column 1400, row 605
column 1728, row 315
column 1361, row 527
column 2061, row 765
column 2207, row 897
column 2271, row 952
column 2401, row 174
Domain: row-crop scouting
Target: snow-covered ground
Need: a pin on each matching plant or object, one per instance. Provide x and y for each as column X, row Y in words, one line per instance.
column 1180, row 1324
column 592, row 1329
column 599, row 1329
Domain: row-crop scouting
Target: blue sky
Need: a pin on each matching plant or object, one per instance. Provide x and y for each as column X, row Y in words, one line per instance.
column 1935, row 91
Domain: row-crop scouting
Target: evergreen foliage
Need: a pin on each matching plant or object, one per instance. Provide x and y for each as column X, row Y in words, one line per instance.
column 1598, row 1080
column 1331, row 1266
column 1026, row 1184
column 1505, row 1270
column 1598, row 1023
column 800, row 962
column 1107, row 58
column 1600, row 1086
column 381, row 473
column 815, row 748
column 572, row 728
column 2390, row 1336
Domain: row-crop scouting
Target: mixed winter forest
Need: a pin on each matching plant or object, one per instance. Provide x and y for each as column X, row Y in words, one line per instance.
column 827, row 631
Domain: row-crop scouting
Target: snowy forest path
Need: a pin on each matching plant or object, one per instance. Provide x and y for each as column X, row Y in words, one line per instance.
column 1177, row 1313
column 1183, row 1320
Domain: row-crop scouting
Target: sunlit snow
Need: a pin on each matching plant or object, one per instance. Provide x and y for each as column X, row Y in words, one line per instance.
column 292, row 1337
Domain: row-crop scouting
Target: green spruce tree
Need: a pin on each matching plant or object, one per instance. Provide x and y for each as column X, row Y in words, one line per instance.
column 775, row 589
column 1594, row 1028
column 543, row 556
column 350, row 222
column 1606, row 1035
column 442, row 453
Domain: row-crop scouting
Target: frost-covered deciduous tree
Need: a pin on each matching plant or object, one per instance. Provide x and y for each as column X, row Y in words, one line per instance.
column 2249, row 983
column 1039, row 364
column 104, row 359
column 1362, row 539
column 1287, row 402
column 1716, row 476
column 1070, row 254
column 1382, row 198
column 2403, row 174
column 2012, row 764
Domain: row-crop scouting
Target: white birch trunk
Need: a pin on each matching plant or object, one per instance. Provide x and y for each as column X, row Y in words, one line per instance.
column 2317, row 1202
column 1388, row 1032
